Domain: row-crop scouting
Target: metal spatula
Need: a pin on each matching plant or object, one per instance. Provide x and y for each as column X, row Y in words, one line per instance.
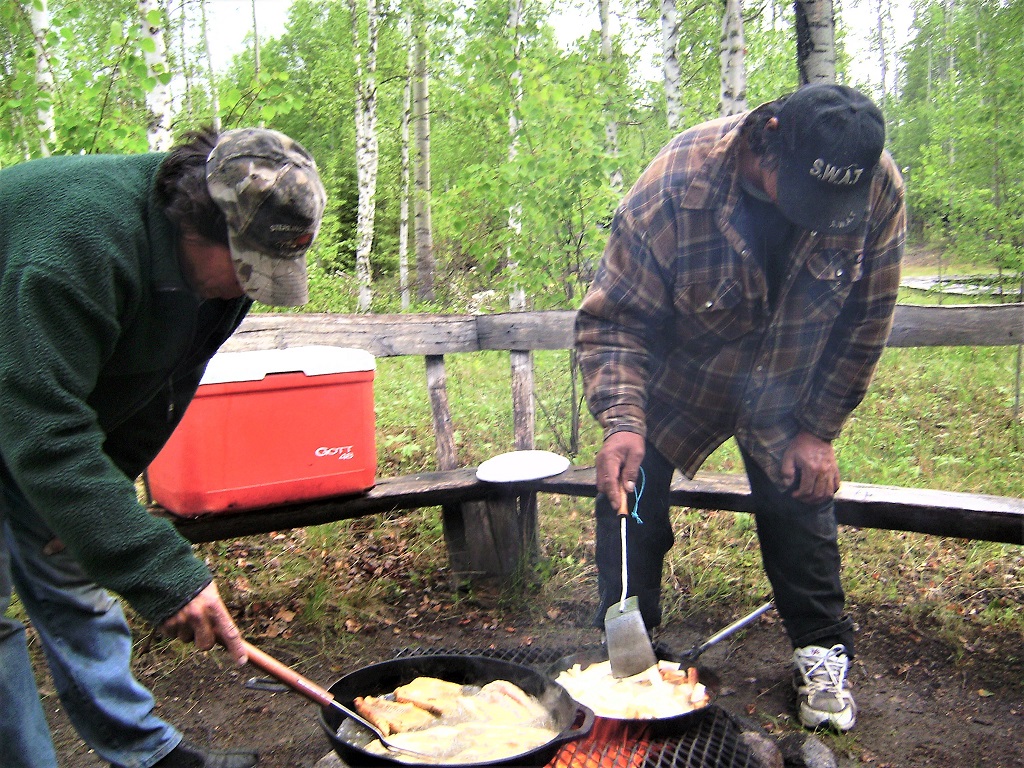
column 629, row 646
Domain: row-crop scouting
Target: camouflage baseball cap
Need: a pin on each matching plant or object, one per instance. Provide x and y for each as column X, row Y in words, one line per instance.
column 269, row 190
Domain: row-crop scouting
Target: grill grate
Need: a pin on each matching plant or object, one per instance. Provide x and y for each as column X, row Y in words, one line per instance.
column 530, row 656
column 713, row 741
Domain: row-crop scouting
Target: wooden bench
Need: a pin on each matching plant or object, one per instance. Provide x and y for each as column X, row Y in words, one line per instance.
column 490, row 528
column 940, row 513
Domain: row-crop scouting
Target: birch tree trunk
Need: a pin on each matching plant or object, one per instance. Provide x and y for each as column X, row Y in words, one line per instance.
column 421, row 122
column 521, row 362
column 883, row 33
column 403, row 217
column 733, row 94
column 45, row 122
column 158, row 100
column 210, row 74
column 367, row 156
column 611, row 126
column 518, row 298
column 815, row 41
column 255, row 42
column 670, row 63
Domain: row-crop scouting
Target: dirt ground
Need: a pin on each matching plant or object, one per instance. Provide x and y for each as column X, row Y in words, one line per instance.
column 921, row 704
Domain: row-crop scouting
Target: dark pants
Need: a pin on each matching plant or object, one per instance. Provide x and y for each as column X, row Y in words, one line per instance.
column 799, row 550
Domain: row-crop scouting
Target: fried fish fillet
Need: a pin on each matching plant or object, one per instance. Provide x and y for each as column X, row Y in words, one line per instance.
column 393, row 716
column 502, row 703
column 437, row 696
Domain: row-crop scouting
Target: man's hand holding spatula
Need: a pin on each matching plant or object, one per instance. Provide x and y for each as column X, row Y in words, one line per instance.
column 629, row 646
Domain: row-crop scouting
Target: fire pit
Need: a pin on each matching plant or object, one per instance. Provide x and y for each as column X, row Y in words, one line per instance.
column 712, row 741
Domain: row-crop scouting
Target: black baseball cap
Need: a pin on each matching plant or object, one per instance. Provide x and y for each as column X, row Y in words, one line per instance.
column 830, row 138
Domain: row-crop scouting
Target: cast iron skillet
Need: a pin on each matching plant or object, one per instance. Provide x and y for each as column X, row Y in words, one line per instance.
column 659, row 727
column 571, row 719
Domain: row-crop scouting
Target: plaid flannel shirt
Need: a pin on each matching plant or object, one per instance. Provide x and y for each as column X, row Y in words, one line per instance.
column 676, row 337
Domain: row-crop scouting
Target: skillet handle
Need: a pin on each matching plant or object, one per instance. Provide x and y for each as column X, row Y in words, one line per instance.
column 576, row 732
column 288, row 676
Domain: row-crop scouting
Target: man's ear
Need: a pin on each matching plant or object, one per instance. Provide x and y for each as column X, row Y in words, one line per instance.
column 770, row 136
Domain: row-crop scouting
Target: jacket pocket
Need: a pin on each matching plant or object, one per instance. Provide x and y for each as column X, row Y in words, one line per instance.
column 715, row 311
column 832, row 275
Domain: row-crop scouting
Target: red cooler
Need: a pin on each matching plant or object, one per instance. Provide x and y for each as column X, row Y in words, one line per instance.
column 271, row 427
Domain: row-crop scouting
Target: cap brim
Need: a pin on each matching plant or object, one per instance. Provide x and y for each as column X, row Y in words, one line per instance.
column 267, row 279
column 818, row 206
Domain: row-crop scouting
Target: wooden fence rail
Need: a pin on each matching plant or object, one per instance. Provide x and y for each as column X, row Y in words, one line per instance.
column 489, row 529
column 393, row 335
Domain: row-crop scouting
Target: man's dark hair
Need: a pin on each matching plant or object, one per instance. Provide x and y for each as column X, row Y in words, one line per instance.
column 181, row 187
column 764, row 144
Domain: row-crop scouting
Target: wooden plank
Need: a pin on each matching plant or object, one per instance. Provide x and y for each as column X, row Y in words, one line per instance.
column 989, row 325
column 553, row 329
column 524, row 410
column 521, row 511
column 426, row 489
column 381, row 335
column 495, row 547
column 440, row 413
column 453, row 523
column 417, row 334
column 941, row 513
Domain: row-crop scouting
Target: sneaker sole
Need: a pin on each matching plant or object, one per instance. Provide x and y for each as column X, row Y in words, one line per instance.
column 816, row 720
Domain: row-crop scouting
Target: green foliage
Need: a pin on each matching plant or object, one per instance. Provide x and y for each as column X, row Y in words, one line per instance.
column 955, row 126
column 958, row 129
column 94, row 54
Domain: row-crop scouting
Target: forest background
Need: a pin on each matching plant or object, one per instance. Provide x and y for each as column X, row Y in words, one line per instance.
column 475, row 152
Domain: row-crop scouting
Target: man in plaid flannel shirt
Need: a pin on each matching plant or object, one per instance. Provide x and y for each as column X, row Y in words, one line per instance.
column 747, row 291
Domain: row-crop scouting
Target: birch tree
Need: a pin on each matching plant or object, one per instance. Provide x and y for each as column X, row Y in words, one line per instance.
column 211, row 76
column 521, row 362
column 883, row 32
column 611, row 128
column 518, row 298
column 424, row 235
column 670, row 63
column 733, row 93
column 255, row 42
column 406, row 191
column 367, row 156
column 158, row 97
column 45, row 121
column 815, row 41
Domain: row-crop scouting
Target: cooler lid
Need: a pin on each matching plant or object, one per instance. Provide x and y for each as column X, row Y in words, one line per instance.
column 225, row 367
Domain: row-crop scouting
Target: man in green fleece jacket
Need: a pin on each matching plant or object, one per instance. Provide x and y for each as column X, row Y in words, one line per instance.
column 120, row 276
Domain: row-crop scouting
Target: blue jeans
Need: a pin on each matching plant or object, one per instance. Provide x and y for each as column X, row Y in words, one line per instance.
column 87, row 644
column 799, row 551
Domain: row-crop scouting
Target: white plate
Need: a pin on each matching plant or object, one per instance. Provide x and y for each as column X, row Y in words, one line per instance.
column 518, row 466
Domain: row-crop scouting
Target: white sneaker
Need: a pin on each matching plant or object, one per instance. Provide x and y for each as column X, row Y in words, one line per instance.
column 820, row 681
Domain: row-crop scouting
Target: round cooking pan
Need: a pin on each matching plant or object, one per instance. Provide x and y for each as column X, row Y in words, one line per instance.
column 657, row 727
column 571, row 719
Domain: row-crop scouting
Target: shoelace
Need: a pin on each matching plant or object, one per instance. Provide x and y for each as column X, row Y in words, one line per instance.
column 828, row 673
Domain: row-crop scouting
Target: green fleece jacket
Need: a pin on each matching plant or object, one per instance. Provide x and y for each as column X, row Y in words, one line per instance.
column 102, row 345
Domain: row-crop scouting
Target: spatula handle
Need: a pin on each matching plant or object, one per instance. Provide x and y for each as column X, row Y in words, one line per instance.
column 288, row 676
column 625, row 570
